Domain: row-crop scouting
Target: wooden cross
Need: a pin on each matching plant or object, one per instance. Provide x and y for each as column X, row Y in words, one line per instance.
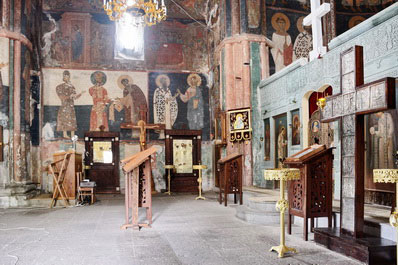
column 142, row 126
column 315, row 20
column 349, row 106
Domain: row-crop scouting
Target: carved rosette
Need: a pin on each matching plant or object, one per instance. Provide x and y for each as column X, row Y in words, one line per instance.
column 282, row 174
column 282, row 205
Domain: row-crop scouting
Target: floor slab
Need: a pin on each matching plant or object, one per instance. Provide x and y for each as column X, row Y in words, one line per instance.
column 184, row 231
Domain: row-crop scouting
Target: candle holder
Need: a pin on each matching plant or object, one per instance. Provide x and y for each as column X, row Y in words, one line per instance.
column 169, row 168
column 283, row 175
column 199, row 168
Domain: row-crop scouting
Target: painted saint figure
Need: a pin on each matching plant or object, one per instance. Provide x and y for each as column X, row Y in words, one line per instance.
column 282, row 146
column 193, row 96
column 77, row 44
column 384, row 132
column 99, row 94
column 165, row 108
column 303, row 43
column 66, row 119
column 296, row 130
column 283, row 51
column 134, row 100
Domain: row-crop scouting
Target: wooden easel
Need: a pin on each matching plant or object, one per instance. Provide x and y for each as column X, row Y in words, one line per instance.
column 137, row 172
column 142, row 126
column 58, row 170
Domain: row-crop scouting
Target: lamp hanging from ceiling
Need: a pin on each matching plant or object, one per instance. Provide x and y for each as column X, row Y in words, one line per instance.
column 140, row 12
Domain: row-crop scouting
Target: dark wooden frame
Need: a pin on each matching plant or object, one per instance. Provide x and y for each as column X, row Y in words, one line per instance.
column 307, row 163
column 359, row 134
column 114, row 137
column 184, row 182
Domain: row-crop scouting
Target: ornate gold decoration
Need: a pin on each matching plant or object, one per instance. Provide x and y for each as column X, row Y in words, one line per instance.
column 385, row 175
column 240, row 125
column 394, row 219
column 321, row 103
column 144, row 12
column 199, row 168
column 282, row 205
column 389, row 176
column 282, row 174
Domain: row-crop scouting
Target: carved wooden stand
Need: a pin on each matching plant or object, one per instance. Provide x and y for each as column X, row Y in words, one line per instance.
column 282, row 175
column 230, row 179
column 137, row 171
column 311, row 195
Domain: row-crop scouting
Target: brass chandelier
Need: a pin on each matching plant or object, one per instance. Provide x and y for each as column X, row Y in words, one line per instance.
column 140, row 12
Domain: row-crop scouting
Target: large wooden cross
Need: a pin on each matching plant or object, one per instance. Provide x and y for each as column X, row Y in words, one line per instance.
column 315, row 20
column 355, row 100
column 142, row 126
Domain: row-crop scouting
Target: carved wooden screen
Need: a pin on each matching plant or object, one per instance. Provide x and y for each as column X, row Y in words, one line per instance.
column 319, row 133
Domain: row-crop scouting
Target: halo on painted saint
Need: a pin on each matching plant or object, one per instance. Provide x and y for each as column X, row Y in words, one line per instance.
column 193, row 77
column 275, row 18
column 119, row 80
column 157, row 81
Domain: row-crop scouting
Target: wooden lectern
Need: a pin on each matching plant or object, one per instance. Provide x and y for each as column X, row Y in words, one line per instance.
column 311, row 195
column 137, row 172
column 230, row 180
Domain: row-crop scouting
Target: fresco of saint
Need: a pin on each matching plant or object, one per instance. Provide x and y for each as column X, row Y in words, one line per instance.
column 134, row 100
column 383, row 145
column 66, row 119
column 303, row 43
column 165, row 108
column 282, row 53
column 99, row 94
column 193, row 96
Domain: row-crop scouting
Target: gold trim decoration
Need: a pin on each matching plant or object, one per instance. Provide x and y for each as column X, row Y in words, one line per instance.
column 240, row 128
column 144, row 12
column 282, row 174
column 200, row 180
column 385, row 175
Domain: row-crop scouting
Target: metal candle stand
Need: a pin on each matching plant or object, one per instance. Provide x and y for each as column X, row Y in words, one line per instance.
column 282, row 174
column 199, row 168
column 169, row 168
column 389, row 176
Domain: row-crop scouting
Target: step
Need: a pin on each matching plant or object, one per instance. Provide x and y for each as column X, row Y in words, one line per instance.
column 255, row 216
column 265, row 204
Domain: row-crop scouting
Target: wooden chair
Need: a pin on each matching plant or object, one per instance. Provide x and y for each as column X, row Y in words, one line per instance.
column 58, row 170
column 84, row 191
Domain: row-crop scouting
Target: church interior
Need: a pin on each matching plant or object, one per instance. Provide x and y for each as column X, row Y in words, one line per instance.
column 198, row 132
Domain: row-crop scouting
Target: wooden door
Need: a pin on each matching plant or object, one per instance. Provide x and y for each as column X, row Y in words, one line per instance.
column 183, row 150
column 102, row 160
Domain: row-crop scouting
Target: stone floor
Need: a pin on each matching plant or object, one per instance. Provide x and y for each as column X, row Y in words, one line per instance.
column 184, row 231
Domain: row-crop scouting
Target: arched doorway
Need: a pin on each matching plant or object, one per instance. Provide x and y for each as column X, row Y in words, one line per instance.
column 314, row 132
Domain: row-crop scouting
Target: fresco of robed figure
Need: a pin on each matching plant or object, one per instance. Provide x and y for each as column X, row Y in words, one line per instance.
column 66, row 118
column 100, row 97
